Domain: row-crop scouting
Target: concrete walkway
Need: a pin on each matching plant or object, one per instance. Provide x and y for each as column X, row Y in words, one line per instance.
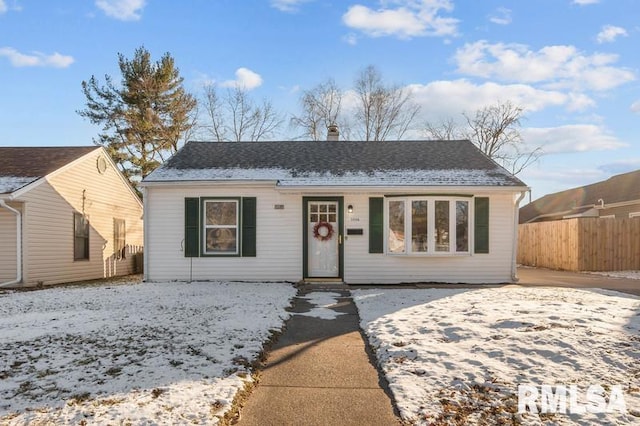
column 319, row 372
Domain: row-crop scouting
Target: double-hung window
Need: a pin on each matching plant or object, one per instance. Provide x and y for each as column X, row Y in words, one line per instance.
column 119, row 238
column 80, row 237
column 224, row 226
column 220, row 226
column 427, row 225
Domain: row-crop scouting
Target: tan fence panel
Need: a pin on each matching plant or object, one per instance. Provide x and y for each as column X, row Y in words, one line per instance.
column 587, row 244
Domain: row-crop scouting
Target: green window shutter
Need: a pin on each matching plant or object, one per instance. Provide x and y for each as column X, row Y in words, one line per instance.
column 191, row 227
column 249, row 226
column 376, row 225
column 481, row 225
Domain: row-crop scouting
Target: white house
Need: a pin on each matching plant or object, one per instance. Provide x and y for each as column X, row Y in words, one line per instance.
column 66, row 214
column 358, row 212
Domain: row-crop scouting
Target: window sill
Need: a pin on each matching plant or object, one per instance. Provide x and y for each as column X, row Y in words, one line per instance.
column 461, row 254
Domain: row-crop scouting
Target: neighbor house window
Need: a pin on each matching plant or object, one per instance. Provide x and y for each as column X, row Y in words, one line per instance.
column 81, row 237
column 119, row 238
column 436, row 225
column 221, row 218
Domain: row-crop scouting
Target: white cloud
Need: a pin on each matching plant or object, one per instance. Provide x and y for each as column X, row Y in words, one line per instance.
column 35, row 59
column 502, row 16
column 609, row 34
column 3, row 6
column 289, row 6
column 124, row 10
column 350, row 38
column 571, row 138
column 245, row 79
column 449, row 99
column 635, row 107
column 585, row 2
column 409, row 18
column 561, row 178
column 621, row 166
column 560, row 66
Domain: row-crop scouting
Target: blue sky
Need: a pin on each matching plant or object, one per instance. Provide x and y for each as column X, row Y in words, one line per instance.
column 572, row 64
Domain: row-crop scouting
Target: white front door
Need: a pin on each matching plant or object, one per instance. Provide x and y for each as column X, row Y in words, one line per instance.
column 323, row 236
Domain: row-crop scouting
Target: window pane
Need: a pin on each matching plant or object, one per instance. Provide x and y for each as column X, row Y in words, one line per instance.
column 419, row 241
column 221, row 212
column 221, row 240
column 323, row 208
column 396, row 227
column 81, row 225
column 332, row 217
column 442, row 225
column 314, row 208
column 462, row 226
column 313, row 217
column 332, row 208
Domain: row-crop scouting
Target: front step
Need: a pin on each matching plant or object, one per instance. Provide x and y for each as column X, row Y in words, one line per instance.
column 324, row 283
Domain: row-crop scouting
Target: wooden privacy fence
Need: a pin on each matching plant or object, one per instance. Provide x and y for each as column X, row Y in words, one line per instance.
column 585, row 244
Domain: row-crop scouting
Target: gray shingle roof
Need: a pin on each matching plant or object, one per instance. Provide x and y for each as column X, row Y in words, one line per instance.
column 20, row 166
column 616, row 189
column 339, row 163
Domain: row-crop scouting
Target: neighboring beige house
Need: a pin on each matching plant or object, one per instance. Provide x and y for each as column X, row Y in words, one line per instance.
column 66, row 214
column 358, row 212
column 617, row 197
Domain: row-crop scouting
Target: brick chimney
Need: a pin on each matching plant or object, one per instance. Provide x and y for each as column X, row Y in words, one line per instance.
column 333, row 134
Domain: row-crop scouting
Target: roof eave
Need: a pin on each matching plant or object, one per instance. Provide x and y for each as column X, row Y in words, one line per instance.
column 208, row 182
column 404, row 188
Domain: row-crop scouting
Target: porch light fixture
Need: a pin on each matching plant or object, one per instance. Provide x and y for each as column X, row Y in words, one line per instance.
column 350, row 208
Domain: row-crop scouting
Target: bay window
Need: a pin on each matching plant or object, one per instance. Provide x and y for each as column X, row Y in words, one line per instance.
column 437, row 225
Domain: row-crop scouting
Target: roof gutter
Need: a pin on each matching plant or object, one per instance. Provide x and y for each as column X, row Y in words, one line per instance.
column 18, row 215
column 514, row 251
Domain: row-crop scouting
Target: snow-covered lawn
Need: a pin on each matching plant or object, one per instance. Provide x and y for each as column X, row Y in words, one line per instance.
column 632, row 275
column 457, row 356
column 151, row 353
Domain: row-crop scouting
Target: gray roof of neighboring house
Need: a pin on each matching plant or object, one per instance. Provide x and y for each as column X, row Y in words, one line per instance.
column 19, row 166
column 619, row 188
column 350, row 163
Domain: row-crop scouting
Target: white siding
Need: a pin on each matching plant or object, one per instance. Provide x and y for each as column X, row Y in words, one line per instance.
column 8, row 254
column 278, row 239
column 280, row 243
column 495, row 267
column 48, row 224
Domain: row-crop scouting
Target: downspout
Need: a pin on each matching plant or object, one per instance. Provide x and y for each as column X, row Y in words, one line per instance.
column 514, row 251
column 145, row 234
column 18, row 279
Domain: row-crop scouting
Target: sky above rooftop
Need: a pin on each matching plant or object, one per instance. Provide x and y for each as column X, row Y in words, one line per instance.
column 572, row 64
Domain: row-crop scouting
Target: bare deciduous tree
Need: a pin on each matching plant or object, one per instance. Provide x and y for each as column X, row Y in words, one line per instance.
column 445, row 130
column 236, row 117
column 321, row 107
column 495, row 130
column 382, row 111
column 378, row 112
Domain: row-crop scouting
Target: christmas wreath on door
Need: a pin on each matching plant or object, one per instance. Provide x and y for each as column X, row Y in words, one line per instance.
column 323, row 231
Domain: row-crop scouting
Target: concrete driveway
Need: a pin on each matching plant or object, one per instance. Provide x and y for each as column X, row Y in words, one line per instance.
column 547, row 277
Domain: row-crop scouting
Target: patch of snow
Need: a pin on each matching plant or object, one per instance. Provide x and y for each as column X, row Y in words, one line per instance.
column 322, row 302
column 286, row 177
column 151, row 353
column 632, row 275
column 13, row 183
column 457, row 356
